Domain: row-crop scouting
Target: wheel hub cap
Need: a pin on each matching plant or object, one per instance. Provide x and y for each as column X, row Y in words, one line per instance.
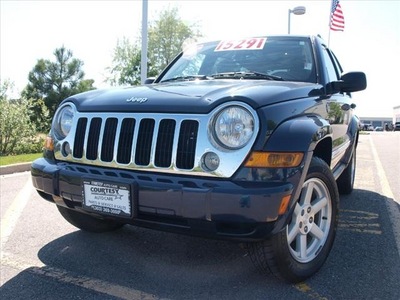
column 306, row 220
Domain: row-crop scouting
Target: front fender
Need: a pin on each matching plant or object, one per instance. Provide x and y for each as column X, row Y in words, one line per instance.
column 352, row 132
column 299, row 134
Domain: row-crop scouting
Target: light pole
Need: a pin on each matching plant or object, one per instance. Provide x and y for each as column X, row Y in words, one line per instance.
column 143, row 60
column 298, row 10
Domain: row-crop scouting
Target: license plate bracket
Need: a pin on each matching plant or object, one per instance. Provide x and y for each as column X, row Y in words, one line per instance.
column 107, row 198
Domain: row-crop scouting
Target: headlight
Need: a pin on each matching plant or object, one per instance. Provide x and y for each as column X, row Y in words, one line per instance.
column 63, row 121
column 233, row 127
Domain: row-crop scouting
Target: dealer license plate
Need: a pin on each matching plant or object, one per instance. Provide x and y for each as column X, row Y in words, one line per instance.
column 107, row 198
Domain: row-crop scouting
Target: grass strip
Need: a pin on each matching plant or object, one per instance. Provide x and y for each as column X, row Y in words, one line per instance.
column 16, row 159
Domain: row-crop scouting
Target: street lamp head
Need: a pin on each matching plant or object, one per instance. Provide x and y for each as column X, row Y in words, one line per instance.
column 298, row 10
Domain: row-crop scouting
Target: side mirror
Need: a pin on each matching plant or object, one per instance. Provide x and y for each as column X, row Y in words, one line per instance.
column 350, row 82
column 149, row 80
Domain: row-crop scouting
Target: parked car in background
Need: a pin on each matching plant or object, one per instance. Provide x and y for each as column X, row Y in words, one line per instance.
column 378, row 128
column 368, row 127
column 396, row 126
column 249, row 140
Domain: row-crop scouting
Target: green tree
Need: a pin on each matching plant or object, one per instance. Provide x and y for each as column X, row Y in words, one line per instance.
column 51, row 82
column 84, row 86
column 5, row 88
column 166, row 37
column 39, row 114
column 125, row 69
column 17, row 133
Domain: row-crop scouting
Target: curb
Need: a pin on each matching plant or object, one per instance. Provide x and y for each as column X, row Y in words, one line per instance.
column 16, row 168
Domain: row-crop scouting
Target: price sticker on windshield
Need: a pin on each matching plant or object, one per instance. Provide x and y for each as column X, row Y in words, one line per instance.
column 245, row 44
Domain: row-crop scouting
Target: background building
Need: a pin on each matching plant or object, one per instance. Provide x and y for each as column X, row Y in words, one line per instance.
column 382, row 121
column 396, row 114
column 376, row 121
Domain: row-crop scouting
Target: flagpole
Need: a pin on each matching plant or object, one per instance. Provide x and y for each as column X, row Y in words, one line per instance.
column 329, row 24
column 329, row 36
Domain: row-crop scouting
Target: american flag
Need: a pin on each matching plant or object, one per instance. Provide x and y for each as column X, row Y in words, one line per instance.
column 337, row 18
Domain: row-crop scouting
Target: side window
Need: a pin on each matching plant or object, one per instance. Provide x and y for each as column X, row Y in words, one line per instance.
column 191, row 65
column 330, row 66
column 338, row 66
column 186, row 66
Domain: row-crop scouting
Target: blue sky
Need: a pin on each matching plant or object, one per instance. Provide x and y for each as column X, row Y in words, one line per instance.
column 31, row 30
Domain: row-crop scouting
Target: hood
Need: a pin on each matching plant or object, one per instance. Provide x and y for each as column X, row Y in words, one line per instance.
column 190, row 96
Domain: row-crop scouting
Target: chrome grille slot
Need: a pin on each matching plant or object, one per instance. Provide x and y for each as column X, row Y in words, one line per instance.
column 93, row 139
column 187, row 144
column 125, row 141
column 165, row 139
column 80, row 137
column 107, row 146
column 144, row 140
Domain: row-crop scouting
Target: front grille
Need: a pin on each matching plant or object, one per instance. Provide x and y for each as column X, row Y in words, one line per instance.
column 163, row 142
column 125, row 141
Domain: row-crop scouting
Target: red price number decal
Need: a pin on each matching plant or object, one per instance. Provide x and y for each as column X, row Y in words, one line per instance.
column 245, row 44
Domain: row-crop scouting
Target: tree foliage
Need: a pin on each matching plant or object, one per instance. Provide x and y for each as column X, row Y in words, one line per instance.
column 16, row 129
column 5, row 87
column 53, row 81
column 126, row 64
column 39, row 114
column 165, row 38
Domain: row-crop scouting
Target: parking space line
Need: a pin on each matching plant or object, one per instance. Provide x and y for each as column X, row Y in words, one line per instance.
column 392, row 204
column 8, row 223
column 14, row 211
column 64, row 276
column 307, row 290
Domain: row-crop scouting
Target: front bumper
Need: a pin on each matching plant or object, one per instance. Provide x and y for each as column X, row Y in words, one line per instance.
column 216, row 208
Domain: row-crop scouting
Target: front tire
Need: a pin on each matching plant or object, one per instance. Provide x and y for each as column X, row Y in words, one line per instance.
column 300, row 250
column 86, row 222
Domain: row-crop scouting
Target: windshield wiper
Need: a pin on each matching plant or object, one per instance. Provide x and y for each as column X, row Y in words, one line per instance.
column 246, row 75
column 187, row 78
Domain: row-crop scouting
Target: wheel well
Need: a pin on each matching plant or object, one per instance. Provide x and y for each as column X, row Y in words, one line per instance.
column 323, row 150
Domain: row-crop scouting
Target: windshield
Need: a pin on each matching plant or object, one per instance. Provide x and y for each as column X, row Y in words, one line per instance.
column 275, row 58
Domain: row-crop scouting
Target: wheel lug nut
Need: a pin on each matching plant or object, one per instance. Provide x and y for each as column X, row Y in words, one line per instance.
column 301, row 224
column 302, row 212
column 308, row 209
column 305, row 229
column 310, row 220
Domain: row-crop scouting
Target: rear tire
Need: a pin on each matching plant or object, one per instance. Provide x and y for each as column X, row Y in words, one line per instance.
column 86, row 222
column 300, row 250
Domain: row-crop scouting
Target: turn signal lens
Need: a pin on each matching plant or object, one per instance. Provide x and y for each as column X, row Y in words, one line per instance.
column 274, row 159
column 284, row 204
column 49, row 143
